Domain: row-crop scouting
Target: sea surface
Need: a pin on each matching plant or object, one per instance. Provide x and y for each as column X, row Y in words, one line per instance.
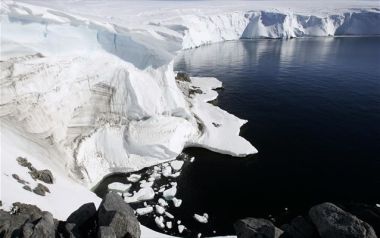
column 313, row 111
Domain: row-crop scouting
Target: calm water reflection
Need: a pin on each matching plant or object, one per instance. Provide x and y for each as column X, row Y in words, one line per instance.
column 313, row 107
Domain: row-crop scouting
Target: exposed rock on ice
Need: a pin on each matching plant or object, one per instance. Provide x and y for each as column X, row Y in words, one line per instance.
column 119, row 187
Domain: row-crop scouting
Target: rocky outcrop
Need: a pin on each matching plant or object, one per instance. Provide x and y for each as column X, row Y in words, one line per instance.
column 114, row 219
column 260, row 228
column 115, row 213
column 325, row 220
column 333, row 222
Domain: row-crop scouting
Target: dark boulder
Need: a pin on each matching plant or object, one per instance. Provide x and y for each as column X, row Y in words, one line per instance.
column 299, row 227
column 43, row 175
column 82, row 222
column 260, row 228
column 41, row 189
column 106, row 232
column 82, row 214
column 333, row 222
column 115, row 213
column 45, row 226
column 182, row 77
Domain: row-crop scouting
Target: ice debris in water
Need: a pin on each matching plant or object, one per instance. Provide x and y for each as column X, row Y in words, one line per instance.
column 159, row 209
column 160, row 222
column 142, row 195
column 162, row 202
column 170, row 193
column 169, row 225
column 134, row 178
column 144, row 210
column 181, row 228
column 169, row 215
column 119, row 187
column 177, row 202
column 201, row 219
column 176, row 164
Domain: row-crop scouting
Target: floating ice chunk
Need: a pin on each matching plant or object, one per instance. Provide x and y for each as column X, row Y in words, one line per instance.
column 159, row 209
column 159, row 222
column 144, row 210
column 175, row 175
column 192, row 159
column 169, row 225
column 170, row 193
column 169, row 215
column 176, row 164
column 161, row 189
column 378, row 205
column 146, row 184
column 162, row 202
column 181, row 228
column 177, row 202
column 119, row 187
column 155, row 176
column 201, row 219
column 205, row 215
column 134, row 178
column 142, row 195
column 167, row 171
column 214, row 231
column 199, row 235
column 179, row 222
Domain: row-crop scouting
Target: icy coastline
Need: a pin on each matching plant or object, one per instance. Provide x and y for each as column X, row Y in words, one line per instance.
column 88, row 92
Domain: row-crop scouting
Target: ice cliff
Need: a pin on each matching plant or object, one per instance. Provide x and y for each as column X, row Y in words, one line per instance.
column 90, row 84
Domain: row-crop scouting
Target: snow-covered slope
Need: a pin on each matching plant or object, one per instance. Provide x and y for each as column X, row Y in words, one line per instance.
column 89, row 87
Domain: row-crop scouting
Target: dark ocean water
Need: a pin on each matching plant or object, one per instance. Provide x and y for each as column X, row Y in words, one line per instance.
column 313, row 107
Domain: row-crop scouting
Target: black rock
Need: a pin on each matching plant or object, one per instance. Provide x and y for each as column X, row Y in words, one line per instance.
column 367, row 213
column 45, row 226
column 182, row 77
column 299, row 227
column 27, row 230
column 41, row 189
column 27, row 188
column 11, row 225
column 260, row 228
column 115, row 213
column 106, row 232
column 43, row 175
column 83, row 221
column 31, row 211
column 23, row 162
column 82, row 214
column 333, row 222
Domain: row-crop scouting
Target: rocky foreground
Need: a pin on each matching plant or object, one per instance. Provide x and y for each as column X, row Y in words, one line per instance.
column 116, row 219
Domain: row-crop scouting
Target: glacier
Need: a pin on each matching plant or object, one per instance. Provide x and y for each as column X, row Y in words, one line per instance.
column 88, row 87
